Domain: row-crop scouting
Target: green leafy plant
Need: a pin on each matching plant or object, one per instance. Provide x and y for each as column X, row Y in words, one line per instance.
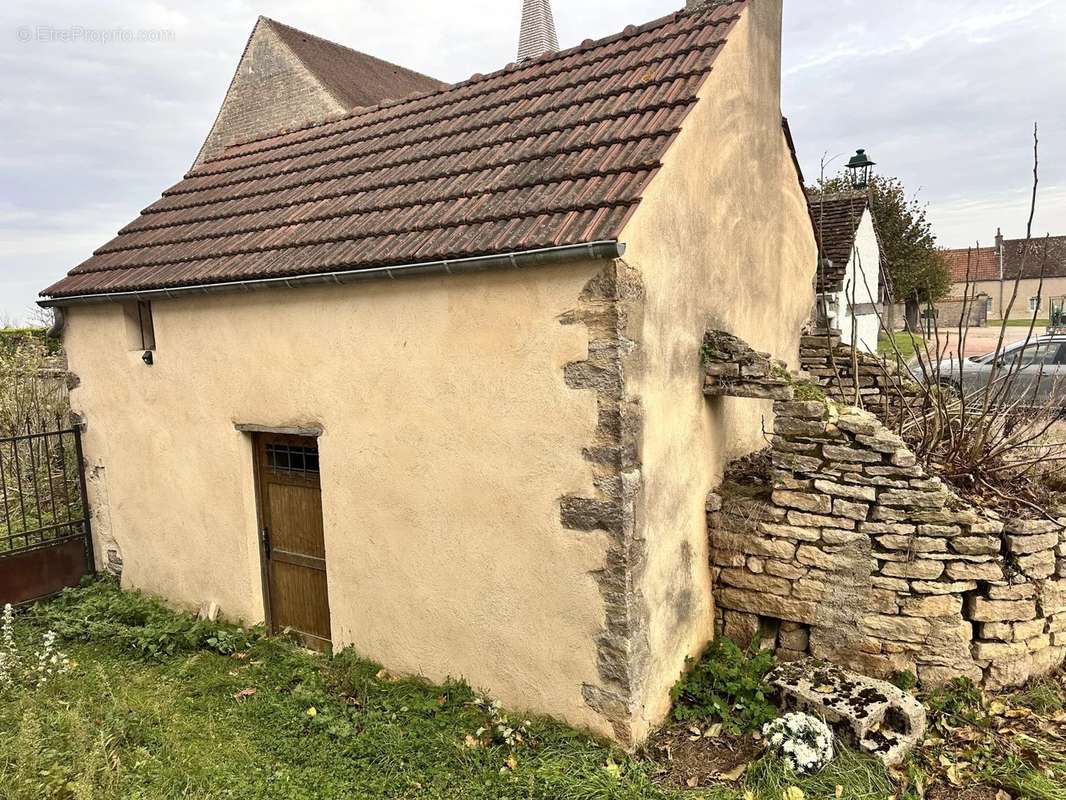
column 960, row 699
column 904, row 680
column 97, row 613
column 727, row 684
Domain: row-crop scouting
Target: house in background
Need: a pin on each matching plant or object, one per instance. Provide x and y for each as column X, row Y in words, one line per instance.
column 288, row 79
column 425, row 379
column 849, row 285
column 987, row 275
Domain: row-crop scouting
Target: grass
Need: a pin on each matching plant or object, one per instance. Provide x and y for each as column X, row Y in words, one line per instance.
column 1014, row 741
column 159, row 706
column 1018, row 323
column 180, row 722
column 906, row 342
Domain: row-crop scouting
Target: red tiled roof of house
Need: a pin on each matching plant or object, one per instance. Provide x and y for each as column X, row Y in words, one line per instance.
column 354, row 78
column 1046, row 256
column 836, row 221
column 552, row 151
column 973, row 263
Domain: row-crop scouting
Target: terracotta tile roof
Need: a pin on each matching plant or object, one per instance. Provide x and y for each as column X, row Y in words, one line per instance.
column 354, row 78
column 979, row 263
column 552, row 151
column 836, row 221
column 1047, row 256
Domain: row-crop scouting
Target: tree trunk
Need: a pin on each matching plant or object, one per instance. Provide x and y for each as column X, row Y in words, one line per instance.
column 911, row 316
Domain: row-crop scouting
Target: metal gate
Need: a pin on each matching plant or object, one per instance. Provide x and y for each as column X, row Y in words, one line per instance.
column 45, row 536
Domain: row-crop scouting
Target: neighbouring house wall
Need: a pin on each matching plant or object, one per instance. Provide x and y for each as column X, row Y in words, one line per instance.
column 1001, row 296
column 454, row 413
column 722, row 239
column 271, row 91
column 856, row 318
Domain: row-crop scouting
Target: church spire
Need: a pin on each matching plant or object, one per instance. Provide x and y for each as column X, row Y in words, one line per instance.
column 538, row 30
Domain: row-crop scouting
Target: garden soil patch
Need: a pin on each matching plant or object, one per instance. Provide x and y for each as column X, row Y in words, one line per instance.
column 686, row 760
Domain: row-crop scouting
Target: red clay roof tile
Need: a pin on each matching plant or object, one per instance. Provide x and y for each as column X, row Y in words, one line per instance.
column 552, row 151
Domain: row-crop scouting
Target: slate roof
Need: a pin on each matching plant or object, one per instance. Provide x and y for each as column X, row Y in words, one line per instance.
column 836, row 221
column 553, row 151
column 1047, row 256
column 354, row 78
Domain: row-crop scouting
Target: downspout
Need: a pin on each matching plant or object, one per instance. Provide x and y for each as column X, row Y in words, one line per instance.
column 59, row 322
column 598, row 250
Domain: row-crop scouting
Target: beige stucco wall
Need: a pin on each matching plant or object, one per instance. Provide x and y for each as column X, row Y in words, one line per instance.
column 723, row 240
column 449, row 436
column 1001, row 295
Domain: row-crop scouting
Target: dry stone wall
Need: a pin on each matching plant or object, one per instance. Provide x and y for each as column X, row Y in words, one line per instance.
column 854, row 377
column 845, row 549
column 731, row 368
column 852, row 553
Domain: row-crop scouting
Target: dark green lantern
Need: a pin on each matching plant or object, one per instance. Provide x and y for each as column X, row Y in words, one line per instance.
column 859, row 169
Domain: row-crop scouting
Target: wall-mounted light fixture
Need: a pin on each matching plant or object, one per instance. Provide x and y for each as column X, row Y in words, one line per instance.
column 147, row 358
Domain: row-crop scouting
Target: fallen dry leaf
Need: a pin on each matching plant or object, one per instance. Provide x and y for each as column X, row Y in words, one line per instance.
column 953, row 775
column 793, row 793
column 243, row 693
column 733, row 775
column 1002, row 795
column 692, row 782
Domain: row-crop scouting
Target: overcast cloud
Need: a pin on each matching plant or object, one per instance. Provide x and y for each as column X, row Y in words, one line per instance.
column 943, row 94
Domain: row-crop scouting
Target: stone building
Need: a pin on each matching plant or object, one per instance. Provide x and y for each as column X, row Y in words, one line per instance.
column 986, row 275
column 423, row 377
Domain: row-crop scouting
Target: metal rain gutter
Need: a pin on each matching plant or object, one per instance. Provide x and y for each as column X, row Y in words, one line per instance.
column 599, row 250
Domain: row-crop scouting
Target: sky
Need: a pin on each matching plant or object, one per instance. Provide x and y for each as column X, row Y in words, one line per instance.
column 105, row 104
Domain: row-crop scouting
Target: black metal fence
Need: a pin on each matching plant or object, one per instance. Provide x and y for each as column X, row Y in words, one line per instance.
column 45, row 537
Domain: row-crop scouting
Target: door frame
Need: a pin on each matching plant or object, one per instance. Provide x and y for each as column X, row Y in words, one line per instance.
column 255, row 434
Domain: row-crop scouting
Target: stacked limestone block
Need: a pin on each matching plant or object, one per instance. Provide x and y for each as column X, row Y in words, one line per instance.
column 840, row 370
column 854, row 554
column 731, row 368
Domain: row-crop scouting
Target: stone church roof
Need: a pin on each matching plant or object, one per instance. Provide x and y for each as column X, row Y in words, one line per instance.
column 552, row 151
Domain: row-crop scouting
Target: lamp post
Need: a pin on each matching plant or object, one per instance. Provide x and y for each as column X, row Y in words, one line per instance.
column 859, row 169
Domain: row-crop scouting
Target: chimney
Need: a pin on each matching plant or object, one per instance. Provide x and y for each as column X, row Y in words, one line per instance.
column 999, row 240
column 538, row 30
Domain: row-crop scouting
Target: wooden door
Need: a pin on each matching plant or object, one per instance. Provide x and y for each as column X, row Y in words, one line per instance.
column 294, row 554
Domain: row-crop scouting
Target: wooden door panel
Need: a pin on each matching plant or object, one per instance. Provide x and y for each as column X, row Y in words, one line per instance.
column 296, row 519
column 299, row 599
column 290, row 512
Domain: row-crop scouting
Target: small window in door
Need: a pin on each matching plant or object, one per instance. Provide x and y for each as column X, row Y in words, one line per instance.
column 1034, row 304
column 140, row 328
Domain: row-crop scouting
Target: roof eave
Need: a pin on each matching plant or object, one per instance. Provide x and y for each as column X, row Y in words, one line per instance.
column 544, row 256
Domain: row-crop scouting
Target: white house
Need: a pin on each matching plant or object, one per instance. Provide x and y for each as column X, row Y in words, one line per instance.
column 849, row 284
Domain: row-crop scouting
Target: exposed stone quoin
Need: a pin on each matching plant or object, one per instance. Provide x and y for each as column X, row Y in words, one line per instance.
column 875, row 565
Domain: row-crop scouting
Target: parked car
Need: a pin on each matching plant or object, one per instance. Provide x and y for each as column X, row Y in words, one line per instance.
column 1040, row 368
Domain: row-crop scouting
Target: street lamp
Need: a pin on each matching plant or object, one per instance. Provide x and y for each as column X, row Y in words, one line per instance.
column 859, row 169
